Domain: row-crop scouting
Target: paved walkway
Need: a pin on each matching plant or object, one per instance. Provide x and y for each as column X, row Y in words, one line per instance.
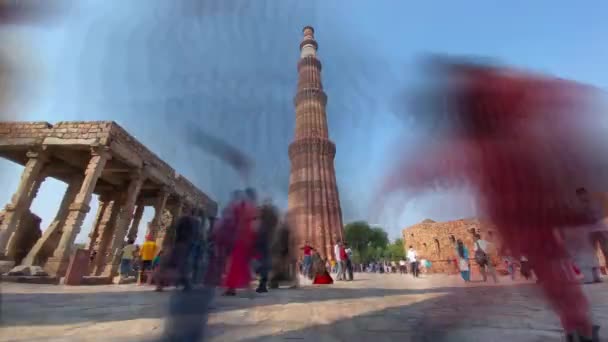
column 372, row 308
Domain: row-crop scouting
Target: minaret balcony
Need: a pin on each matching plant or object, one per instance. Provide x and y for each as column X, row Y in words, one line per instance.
column 310, row 94
column 312, row 145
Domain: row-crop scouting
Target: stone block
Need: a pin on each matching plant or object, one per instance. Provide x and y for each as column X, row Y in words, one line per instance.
column 24, row 270
column 31, row 280
column 56, row 267
column 19, row 271
column 6, row 266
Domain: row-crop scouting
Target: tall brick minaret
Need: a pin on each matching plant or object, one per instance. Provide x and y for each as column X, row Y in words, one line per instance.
column 313, row 192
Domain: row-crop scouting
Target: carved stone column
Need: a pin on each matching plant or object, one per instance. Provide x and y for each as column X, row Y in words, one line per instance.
column 159, row 207
column 166, row 236
column 104, row 202
column 106, row 231
column 125, row 217
column 46, row 245
column 139, row 212
column 77, row 211
column 23, row 197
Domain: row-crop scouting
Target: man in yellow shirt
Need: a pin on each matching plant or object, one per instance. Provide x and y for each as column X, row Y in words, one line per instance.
column 148, row 252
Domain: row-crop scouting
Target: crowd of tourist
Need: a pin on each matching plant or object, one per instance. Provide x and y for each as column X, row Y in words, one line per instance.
column 250, row 239
column 247, row 240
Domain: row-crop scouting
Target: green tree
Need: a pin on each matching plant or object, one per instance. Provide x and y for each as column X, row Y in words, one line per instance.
column 370, row 243
column 396, row 251
column 357, row 234
column 378, row 238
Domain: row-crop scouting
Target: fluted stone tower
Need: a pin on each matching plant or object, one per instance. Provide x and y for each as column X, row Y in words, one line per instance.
column 313, row 192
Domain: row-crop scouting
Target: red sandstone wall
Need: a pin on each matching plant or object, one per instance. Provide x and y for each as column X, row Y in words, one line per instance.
column 432, row 242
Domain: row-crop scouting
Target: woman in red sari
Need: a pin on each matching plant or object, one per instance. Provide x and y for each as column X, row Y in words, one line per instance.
column 321, row 276
column 239, row 271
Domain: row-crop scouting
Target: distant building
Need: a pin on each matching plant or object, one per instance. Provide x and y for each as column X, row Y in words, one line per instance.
column 435, row 241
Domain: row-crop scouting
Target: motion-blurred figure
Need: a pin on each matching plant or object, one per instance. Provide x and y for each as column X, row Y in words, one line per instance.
column 524, row 144
column 267, row 224
column 222, row 239
column 178, row 260
column 239, row 272
column 284, row 255
column 187, row 309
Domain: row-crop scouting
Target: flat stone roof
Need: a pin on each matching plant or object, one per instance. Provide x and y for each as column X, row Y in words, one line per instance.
column 69, row 144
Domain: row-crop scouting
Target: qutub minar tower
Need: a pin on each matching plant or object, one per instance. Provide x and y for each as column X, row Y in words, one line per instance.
column 313, row 192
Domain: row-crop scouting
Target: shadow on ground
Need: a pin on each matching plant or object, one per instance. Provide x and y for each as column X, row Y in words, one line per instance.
column 462, row 314
column 69, row 308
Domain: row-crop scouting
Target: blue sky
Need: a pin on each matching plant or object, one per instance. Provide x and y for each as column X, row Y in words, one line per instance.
column 230, row 68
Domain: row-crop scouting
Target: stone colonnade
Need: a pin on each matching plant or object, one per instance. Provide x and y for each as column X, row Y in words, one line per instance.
column 124, row 188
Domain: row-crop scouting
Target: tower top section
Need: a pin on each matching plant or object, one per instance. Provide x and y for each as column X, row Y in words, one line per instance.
column 308, row 46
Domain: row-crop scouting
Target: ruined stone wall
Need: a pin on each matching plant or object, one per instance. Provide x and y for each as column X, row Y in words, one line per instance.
column 26, row 236
column 433, row 241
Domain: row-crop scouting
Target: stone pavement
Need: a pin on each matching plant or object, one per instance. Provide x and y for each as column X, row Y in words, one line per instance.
column 375, row 307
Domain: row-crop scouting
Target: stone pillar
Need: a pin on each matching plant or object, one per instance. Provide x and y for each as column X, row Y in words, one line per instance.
column 159, row 207
column 104, row 202
column 125, row 217
column 106, row 231
column 58, row 264
column 23, row 197
column 166, row 237
column 178, row 211
column 46, row 245
column 139, row 212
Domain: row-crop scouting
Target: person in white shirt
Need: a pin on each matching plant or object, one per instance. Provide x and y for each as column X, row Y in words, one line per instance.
column 481, row 247
column 126, row 262
column 339, row 262
column 596, row 233
column 348, row 262
column 402, row 267
column 412, row 258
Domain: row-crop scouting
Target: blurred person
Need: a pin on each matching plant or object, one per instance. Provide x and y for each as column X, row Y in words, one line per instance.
column 198, row 250
column 402, row 267
column 422, row 265
column 337, row 257
column 222, row 237
column 598, row 232
column 319, row 271
column 343, row 261
column 412, row 257
column 126, row 261
column 524, row 268
column 147, row 253
column 482, row 259
column 157, row 277
column 284, row 256
column 510, row 266
column 463, row 261
column 349, row 261
column 307, row 259
column 239, row 272
column 187, row 231
column 267, row 224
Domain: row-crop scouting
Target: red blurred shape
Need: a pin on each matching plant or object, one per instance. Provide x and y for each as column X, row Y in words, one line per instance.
column 524, row 143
